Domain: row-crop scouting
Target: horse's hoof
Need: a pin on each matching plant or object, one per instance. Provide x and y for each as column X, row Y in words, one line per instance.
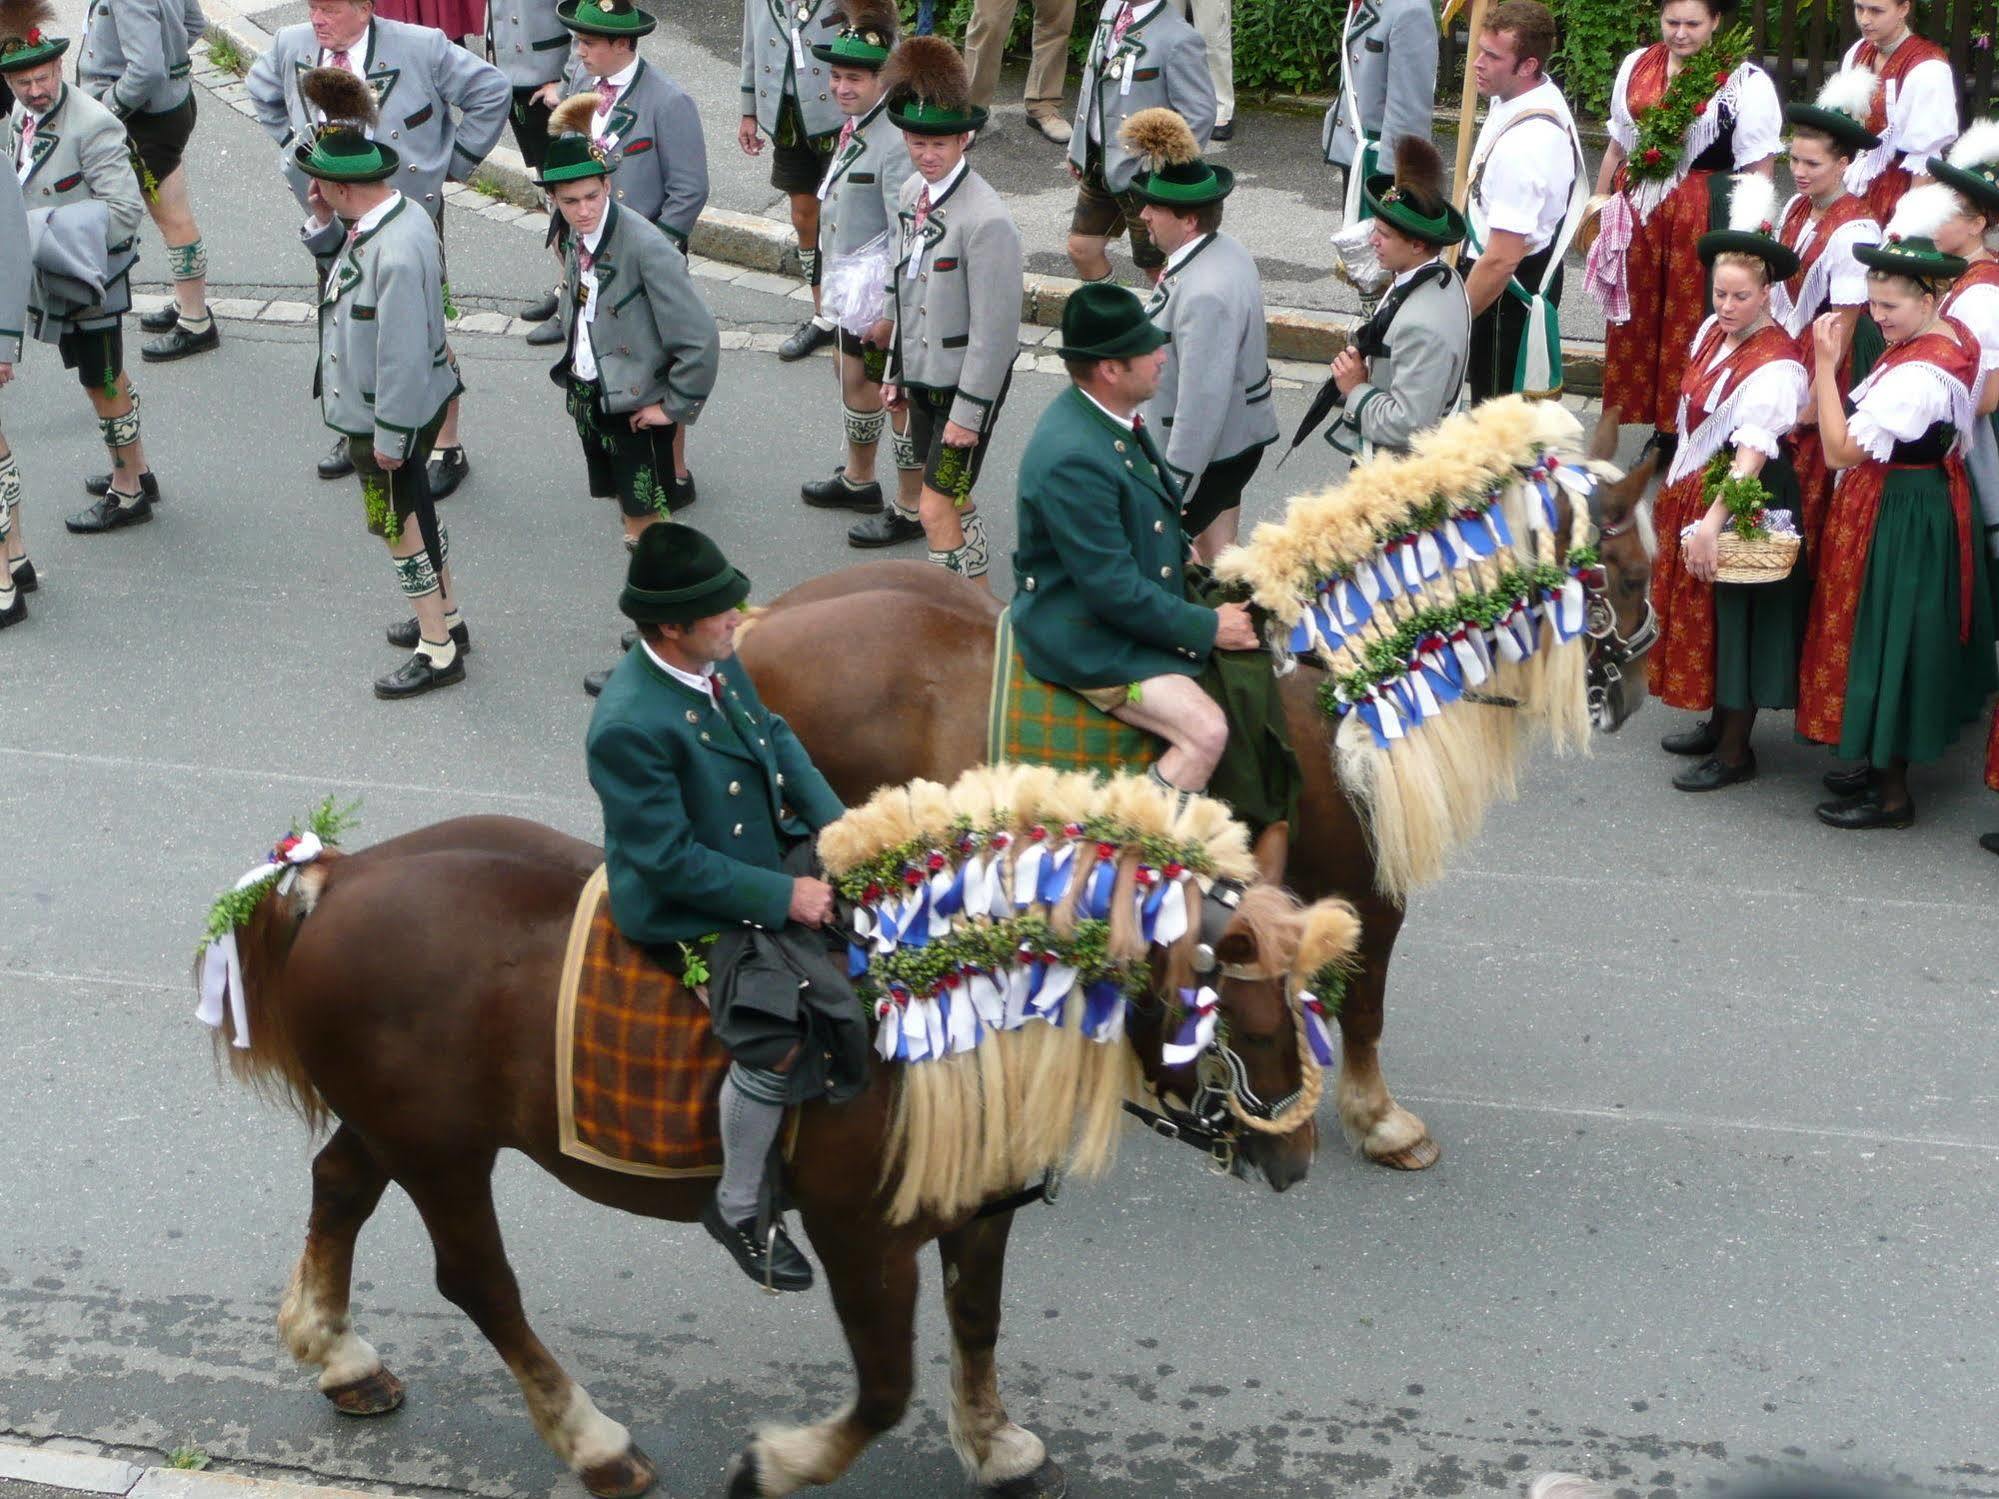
column 1046, row 1482
column 741, row 1481
column 626, row 1476
column 372, row 1395
column 1421, row 1156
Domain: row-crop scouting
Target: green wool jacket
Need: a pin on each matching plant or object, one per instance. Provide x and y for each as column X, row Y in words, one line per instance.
column 700, row 802
column 1099, row 591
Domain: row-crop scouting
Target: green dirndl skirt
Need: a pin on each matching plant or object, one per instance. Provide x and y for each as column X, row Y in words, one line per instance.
column 1759, row 628
column 1910, row 685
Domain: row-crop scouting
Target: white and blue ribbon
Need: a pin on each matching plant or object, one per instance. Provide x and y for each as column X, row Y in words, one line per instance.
column 1197, row 1030
column 1318, row 1032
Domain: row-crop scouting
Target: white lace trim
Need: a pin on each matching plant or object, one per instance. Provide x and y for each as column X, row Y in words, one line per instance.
column 1704, row 132
column 1877, row 441
column 1721, row 426
column 1812, row 291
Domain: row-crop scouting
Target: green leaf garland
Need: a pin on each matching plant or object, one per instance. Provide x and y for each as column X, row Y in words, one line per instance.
column 1662, row 129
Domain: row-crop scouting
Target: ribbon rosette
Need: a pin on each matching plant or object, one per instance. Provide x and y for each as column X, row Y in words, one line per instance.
column 1096, row 903
column 1197, row 1031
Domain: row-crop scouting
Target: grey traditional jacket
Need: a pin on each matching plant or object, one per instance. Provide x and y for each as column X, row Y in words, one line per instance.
column 862, row 194
column 658, row 160
column 193, row 19
column 654, row 338
column 954, row 295
column 81, row 156
column 419, row 79
column 778, row 37
column 15, row 271
column 1391, row 66
column 1165, row 63
column 1414, row 382
column 134, row 58
column 383, row 373
column 526, row 41
column 1213, row 400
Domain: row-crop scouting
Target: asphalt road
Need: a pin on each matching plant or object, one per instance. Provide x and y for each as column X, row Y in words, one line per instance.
column 1714, row 1084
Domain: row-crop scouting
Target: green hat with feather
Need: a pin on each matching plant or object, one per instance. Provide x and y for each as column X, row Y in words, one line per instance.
column 573, row 153
column 929, row 89
column 25, row 39
column 1177, row 176
column 866, row 40
column 342, row 150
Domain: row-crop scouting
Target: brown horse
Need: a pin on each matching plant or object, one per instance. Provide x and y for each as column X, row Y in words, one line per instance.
column 828, row 654
column 430, row 1047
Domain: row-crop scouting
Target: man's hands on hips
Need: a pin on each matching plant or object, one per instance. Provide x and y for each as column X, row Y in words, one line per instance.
column 1234, row 630
column 811, row 902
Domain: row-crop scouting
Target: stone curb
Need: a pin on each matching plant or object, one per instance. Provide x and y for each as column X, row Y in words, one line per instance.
column 89, row 1473
column 759, row 246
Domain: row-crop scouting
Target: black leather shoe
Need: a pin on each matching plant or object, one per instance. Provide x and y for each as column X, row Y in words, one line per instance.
column 545, row 335
column 682, row 494
column 1223, row 132
column 627, row 640
column 1989, row 842
column 1713, row 773
column 404, row 634
column 807, row 337
column 837, row 494
column 417, row 676
column 1857, row 780
column 167, row 318
column 179, row 343
column 336, row 464
column 1701, row 739
column 1860, row 813
column 108, row 514
column 449, row 468
column 593, row 681
column 16, row 612
column 100, row 484
column 885, row 528
column 24, row 576
column 777, row 1265
column 542, row 311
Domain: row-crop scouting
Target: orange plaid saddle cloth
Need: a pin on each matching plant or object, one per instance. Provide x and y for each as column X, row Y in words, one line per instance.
column 1032, row 722
column 638, row 1068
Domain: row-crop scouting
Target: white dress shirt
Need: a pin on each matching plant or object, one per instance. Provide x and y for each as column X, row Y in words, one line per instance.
column 1758, row 412
column 1173, row 261
column 698, row 681
column 1524, row 188
column 1922, row 121
column 583, row 358
column 1900, row 404
column 1123, row 421
column 600, row 122
column 25, row 156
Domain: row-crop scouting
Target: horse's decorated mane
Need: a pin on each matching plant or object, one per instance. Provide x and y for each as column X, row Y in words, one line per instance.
column 1005, row 924
column 1434, row 589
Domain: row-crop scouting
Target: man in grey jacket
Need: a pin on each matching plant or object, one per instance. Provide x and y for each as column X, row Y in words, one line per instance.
column 526, row 40
column 383, row 379
column 135, row 63
column 954, row 298
column 15, row 272
column 1388, row 84
column 69, row 156
column 640, row 348
column 1212, row 410
column 1142, row 56
column 441, row 110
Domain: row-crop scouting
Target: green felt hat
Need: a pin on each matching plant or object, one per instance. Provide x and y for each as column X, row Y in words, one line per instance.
column 604, row 18
column 1780, row 257
column 570, row 158
column 1844, row 128
column 340, row 153
column 1915, row 256
column 677, row 575
column 929, row 117
column 25, row 39
column 1842, row 109
column 1390, row 204
column 1188, row 184
column 865, row 40
column 1978, row 183
column 1104, row 321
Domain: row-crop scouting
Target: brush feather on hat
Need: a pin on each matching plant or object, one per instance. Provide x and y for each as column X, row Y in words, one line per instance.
column 1752, row 204
column 1922, row 211
column 1162, row 135
column 930, row 69
column 339, row 95
column 872, row 15
column 1419, row 165
column 1850, row 92
column 1977, row 147
column 22, row 17
column 574, row 114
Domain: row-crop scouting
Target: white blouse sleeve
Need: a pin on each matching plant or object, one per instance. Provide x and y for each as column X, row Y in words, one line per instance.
column 1846, row 277
column 1977, row 307
column 1767, row 404
column 1925, row 114
column 1759, row 118
column 1899, row 407
column 1623, row 128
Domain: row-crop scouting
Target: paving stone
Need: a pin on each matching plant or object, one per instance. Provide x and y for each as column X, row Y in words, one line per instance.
column 767, row 281
column 735, row 338
column 286, row 312
column 482, row 322
column 235, row 307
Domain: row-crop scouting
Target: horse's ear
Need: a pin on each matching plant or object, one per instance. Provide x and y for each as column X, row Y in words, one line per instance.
column 1237, row 949
column 1273, row 849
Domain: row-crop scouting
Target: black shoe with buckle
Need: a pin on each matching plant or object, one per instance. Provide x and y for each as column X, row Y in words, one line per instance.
column 449, row 468
column 336, row 464
column 546, row 334
column 805, row 339
column 682, row 494
column 161, row 320
column 887, row 527
column 1856, row 780
column 542, row 311
column 180, row 341
column 15, row 612
column 417, row 676
column 1854, row 814
column 837, row 494
column 98, row 485
column 1225, row 131
column 404, row 635
column 1713, row 773
column 776, row 1265
column 24, row 575
column 108, row 514
column 1702, row 739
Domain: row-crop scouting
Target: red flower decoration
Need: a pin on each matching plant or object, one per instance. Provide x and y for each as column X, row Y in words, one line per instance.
column 1036, row 833
column 1174, row 871
column 1653, row 156
column 1700, row 109
column 1720, row 78
column 912, row 876
column 870, row 895
column 1106, row 850
column 936, row 861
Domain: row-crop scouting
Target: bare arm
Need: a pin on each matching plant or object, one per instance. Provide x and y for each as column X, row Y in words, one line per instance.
column 1494, row 267
column 1606, row 175
column 1840, row 449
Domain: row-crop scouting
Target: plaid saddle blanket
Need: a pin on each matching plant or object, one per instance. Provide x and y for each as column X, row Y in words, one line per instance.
column 638, row 1068
column 1032, row 722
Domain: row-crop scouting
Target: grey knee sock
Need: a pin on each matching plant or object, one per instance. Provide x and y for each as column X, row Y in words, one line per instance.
column 748, row 1130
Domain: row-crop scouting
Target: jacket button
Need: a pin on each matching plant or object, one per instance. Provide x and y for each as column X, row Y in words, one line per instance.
column 692, row 716
column 1028, row 583
column 1165, row 572
column 395, row 135
column 739, row 830
column 704, row 736
column 735, row 788
column 1158, row 526
column 780, row 774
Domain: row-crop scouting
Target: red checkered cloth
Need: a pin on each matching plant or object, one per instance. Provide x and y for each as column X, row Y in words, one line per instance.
column 638, row 1068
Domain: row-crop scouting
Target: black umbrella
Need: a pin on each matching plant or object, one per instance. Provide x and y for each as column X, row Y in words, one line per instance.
column 1324, row 399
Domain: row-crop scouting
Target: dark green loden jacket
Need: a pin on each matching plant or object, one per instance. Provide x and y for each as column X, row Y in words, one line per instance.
column 700, row 802
column 1099, row 591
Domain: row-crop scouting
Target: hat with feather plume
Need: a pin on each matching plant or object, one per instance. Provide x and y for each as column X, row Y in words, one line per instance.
column 605, row 18
column 1842, row 109
column 929, row 89
column 1752, row 228
column 343, row 148
column 867, row 38
column 1909, row 242
column 1175, row 175
column 1419, row 171
column 573, row 152
column 1972, row 167
column 25, row 39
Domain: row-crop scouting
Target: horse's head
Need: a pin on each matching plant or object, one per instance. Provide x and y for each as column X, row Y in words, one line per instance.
column 1621, row 626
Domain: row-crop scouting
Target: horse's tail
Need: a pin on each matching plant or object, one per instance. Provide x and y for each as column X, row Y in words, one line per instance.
column 270, row 1064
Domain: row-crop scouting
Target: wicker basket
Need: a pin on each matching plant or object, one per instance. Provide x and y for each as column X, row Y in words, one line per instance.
column 1762, row 559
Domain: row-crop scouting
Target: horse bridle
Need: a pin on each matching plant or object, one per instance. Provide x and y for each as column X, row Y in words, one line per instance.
column 1610, row 651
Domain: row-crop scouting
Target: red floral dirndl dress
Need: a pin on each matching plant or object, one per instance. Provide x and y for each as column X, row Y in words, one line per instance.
column 1886, row 190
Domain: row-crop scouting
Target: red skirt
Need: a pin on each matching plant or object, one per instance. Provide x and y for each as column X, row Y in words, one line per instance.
column 1680, row 668
column 1885, row 191
column 455, row 18
column 1645, row 357
column 1814, row 486
column 1842, row 568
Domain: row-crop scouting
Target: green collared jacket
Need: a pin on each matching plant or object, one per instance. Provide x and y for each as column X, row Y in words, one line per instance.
column 1100, row 594
column 700, row 800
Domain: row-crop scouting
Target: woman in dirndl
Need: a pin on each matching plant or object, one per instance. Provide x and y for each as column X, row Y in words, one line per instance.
column 1685, row 113
column 1732, row 647
column 1915, row 111
column 1898, row 654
